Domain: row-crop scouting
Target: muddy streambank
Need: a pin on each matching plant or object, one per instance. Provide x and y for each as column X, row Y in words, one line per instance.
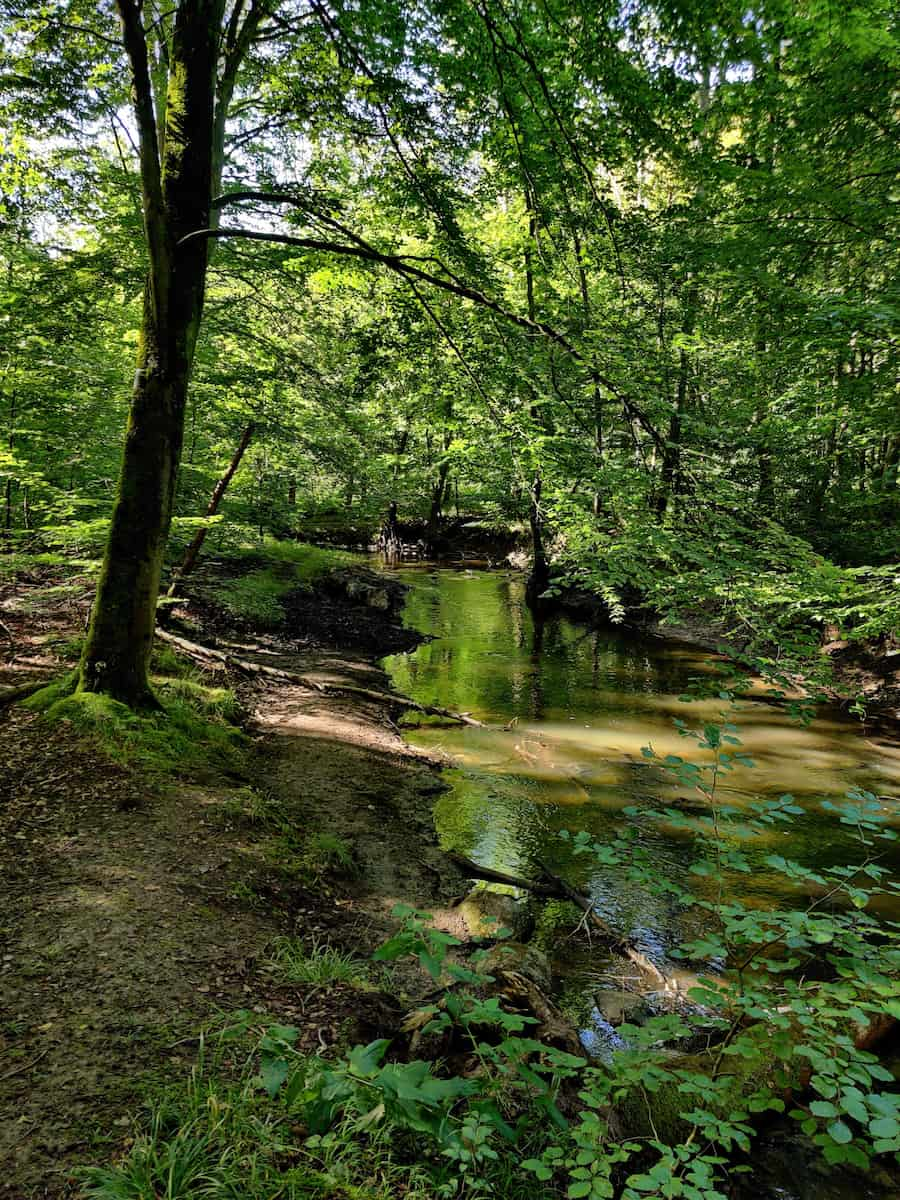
column 136, row 911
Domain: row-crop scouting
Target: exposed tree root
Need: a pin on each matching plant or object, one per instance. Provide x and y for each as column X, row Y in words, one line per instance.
column 231, row 662
column 21, row 692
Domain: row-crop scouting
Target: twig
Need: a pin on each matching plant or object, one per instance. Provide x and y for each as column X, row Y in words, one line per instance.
column 25, row 1066
column 616, row 940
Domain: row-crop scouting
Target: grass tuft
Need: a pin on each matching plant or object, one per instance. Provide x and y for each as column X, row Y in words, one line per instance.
column 250, row 807
column 316, row 963
column 329, row 853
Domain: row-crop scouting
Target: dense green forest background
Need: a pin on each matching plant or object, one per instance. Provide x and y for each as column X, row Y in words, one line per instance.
column 627, row 270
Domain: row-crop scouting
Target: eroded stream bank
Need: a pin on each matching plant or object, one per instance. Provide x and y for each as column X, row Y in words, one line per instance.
column 138, row 910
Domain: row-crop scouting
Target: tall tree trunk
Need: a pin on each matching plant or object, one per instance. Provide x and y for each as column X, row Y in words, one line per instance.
column 765, row 495
column 177, row 197
column 193, row 550
column 539, row 576
column 11, row 442
column 597, row 502
column 670, row 469
column 890, row 462
column 439, row 491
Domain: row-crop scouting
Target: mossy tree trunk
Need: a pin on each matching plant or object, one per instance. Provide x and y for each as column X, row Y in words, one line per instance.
column 179, row 128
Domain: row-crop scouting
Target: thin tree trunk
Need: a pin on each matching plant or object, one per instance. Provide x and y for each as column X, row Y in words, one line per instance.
column 670, row 472
column 765, row 496
column 193, row 550
column 439, row 491
column 539, row 577
column 597, row 502
column 11, row 441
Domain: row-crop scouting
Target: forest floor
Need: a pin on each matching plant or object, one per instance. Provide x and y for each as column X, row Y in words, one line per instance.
column 137, row 911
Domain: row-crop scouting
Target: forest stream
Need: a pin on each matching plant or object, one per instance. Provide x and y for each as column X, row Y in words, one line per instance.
column 567, row 710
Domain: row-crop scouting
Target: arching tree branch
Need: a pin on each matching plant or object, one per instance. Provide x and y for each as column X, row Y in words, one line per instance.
column 405, row 265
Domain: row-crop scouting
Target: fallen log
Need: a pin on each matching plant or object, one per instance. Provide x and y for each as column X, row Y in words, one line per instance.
column 429, row 710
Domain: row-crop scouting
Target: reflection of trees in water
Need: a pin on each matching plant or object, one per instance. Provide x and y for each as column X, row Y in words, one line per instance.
column 491, row 657
column 536, row 688
column 512, row 611
column 491, row 820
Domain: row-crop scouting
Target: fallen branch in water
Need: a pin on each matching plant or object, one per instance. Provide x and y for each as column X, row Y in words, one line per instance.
column 489, row 875
column 623, row 945
column 552, row 885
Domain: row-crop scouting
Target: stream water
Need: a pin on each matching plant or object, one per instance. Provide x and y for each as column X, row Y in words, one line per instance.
column 581, row 704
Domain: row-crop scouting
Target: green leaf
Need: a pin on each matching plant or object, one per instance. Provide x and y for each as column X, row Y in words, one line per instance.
column 364, row 1060
column 823, row 1108
column 884, row 1127
column 273, row 1072
column 540, row 1169
column 840, row 1132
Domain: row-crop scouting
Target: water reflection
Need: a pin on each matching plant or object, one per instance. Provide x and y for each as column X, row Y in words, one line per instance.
column 579, row 705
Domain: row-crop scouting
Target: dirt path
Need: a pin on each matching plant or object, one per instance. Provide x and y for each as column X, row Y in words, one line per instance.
column 343, row 763
column 129, row 916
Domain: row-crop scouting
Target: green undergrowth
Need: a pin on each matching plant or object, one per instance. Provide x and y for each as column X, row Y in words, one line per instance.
column 270, row 571
column 194, row 729
column 19, row 563
column 257, row 596
column 479, row 1105
column 222, row 1137
column 759, row 585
